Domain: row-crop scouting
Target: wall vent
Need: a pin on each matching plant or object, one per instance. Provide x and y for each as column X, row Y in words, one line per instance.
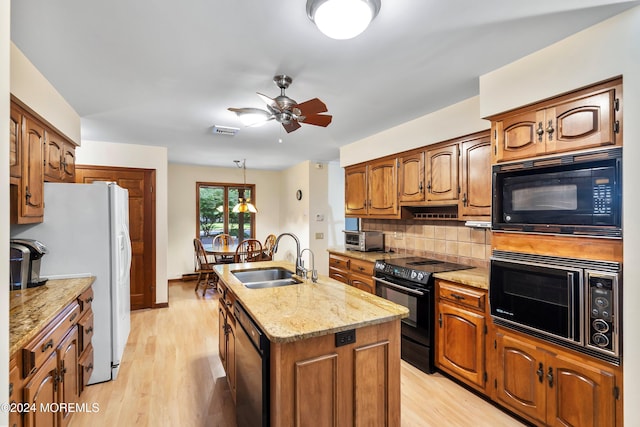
column 225, row 130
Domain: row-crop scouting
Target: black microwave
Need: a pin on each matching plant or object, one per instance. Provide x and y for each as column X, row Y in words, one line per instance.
column 579, row 194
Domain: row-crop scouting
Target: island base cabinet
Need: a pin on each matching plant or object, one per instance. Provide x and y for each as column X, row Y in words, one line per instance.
column 553, row 389
column 314, row 383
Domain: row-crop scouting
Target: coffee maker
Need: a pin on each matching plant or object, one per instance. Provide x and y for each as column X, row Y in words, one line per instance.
column 25, row 256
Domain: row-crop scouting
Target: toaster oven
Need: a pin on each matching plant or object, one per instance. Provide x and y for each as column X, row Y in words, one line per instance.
column 364, row 241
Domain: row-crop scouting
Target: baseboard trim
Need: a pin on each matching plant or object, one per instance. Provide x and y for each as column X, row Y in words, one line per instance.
column 161, row 305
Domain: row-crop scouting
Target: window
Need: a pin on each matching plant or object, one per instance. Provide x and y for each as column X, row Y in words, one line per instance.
column 215, row 203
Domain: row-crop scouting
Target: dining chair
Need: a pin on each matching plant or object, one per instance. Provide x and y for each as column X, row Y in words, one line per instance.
column 206, row 275
column 223, row 240
column 267, row 248
column 248, row 251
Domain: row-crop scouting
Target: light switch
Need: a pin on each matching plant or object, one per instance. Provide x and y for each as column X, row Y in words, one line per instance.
column 319, row 236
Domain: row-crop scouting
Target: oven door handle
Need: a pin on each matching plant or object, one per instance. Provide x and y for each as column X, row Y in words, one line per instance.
column 398, row 287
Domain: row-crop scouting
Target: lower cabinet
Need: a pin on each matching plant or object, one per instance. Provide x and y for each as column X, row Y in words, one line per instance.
column 461, row 333
column 554, row 388
column 227, row 336
column 314, row 382
column 352, row 271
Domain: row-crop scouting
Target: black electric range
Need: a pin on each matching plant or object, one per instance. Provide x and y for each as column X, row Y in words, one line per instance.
column 409, row 282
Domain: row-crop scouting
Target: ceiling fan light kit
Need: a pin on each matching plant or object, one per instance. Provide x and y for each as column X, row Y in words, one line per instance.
column 285, row 110
column 342, row 19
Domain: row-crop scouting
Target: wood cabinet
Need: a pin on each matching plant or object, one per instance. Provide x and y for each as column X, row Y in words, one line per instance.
column 351, row 271
column 551, row 387
column 60, row 158
column 475, row 177
column 411, row 177
column 461, row 333
column 315, row 382
column 47, row 373
column 37, row 154
column 85, row 335
column 587, row 118
column 227, row 335
column 371, row 189
column 441, row 173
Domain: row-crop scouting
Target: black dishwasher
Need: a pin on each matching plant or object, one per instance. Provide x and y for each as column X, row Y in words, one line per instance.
column 252, row 372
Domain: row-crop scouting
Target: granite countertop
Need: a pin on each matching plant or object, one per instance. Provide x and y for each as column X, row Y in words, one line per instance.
column 477, row 277
column 297, row 312
column 32, row 309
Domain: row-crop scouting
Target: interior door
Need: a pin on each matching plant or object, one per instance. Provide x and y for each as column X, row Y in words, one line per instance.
column 140, row 184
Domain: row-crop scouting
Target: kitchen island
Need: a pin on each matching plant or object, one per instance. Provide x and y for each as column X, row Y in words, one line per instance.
column 334, row 349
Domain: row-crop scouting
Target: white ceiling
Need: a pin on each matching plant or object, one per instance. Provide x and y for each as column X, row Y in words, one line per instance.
column 162, row 72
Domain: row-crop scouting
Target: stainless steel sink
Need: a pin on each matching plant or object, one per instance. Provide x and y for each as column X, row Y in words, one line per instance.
column 257, row 278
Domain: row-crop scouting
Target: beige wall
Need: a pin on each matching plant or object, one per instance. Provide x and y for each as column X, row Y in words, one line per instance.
column 98, row 153
column 182, row 207
column 453, row 121
column 4, row 201
column 33, row 89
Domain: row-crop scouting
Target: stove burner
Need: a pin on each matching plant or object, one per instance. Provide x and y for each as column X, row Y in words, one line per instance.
column 426, row 262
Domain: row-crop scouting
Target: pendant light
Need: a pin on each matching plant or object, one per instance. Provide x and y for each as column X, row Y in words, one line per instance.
column 244, row 203
column 342, row 19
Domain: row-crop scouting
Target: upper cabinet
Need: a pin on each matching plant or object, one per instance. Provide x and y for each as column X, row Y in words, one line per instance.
column 411, row 177
column 475, row 177
column 371, row 189
column 587, row 118
column 442, row 173
column 37, row 154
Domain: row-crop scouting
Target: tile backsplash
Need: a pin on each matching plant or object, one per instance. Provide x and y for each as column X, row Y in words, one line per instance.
column 445, row 240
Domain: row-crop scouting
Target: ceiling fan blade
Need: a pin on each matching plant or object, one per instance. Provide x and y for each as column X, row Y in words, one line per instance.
column 291, row 126
column 318, row 120
column 312, row 106
column 269, row 101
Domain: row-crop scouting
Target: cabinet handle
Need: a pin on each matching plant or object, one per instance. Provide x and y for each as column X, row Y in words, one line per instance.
column 89, row 367
column 456, row 296
column 540, row 131
column 440, row 319
column 464, row 200
column 27, row 194
column 72, row 318
column 550, row 130
column 540, row 372
column 88, row 330
column 429, row 186
column 420, row 186
column 47, row 345
column 89, row 300
column 550, row 377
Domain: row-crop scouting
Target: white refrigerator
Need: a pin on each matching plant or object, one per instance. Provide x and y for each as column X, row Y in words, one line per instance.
column 86, row 231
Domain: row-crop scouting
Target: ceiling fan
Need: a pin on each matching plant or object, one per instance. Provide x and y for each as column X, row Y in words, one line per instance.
column 285, row 110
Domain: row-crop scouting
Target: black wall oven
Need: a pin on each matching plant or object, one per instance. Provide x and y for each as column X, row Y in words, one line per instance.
column 572, row 302
column 572, row 194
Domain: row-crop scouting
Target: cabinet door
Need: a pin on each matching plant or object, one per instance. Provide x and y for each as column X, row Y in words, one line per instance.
column 339, row 275
column 355, row 191
column 581, row 123
column 40, row 392
column 461, row 343
column 383, row 187
column 69, row 385
column 411, row 178
column 517, row 136
column 53, row 148
column 580, row 394
column 68, row 163
column 521, row 375
column 476, row 178
column 362, row 282
column 32, row 183
column 222, row 335
column 15, row 393
column 231, row 356
column 442, row 174
column 15, row 141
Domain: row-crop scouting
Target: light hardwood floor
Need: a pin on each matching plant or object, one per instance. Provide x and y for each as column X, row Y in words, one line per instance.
column 171, row 376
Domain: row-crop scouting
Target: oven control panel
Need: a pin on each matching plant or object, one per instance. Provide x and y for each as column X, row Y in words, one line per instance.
column 405, row 273
column 602, row 306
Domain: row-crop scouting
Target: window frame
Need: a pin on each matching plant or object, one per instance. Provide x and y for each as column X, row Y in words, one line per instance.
column 226, row 208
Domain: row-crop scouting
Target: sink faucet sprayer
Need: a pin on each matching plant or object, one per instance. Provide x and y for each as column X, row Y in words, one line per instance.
column 314, row 272
column 300, row 271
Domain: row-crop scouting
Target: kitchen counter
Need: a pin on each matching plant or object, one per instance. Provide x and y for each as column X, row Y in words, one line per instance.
column 477, row 277
column 32, row 309
column 297, row 312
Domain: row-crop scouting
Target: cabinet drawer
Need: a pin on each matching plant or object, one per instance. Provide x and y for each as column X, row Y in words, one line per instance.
column 85, row 367
column 461, row 295
column 85, row 299
column 36, row 352
column 85, row 330
column 362, row 267
column 339, row 275
column 340, row 262
column 363, row 282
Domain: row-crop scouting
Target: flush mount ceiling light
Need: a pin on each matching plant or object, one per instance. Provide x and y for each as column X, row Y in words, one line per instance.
column 244, row 203
column 342, row 19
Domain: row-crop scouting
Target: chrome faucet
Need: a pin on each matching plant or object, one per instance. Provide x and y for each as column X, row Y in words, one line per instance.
column 314, row 272
column 300, row 271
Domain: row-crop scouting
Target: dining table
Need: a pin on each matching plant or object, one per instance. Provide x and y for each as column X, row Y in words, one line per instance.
column 222, row 252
